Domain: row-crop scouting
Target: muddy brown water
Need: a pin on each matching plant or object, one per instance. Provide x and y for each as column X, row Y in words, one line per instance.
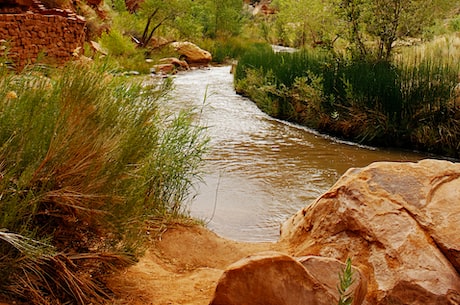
column 260, row 170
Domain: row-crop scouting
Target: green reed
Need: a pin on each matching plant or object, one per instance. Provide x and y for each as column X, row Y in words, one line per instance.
column 399, row 103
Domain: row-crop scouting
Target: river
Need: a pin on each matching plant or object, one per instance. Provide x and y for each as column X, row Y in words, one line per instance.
column 260, row 170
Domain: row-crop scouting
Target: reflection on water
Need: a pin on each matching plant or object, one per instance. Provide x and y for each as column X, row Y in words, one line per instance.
column 260, row 171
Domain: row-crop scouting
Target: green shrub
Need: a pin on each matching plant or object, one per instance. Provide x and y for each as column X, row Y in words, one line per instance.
column 374, row 102
column 117, row 44
column 233, row 48
column 86, row 159
column 286, row 67
column 454, row 24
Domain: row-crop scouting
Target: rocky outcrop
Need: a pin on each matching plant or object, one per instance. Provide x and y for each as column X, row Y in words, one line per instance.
column 397, row 221
column 164, row 69
column 272, row 278
column 53, row 34
column 192, row 54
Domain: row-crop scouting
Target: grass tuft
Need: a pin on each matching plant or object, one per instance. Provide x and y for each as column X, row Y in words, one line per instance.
column 86, row 161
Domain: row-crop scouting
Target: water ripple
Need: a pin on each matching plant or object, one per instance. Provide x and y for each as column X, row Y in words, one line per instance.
column 260, row 170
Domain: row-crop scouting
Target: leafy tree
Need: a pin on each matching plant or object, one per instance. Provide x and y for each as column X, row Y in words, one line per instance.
column 371, row 27
column 386, row 21
column 221, row 17
column 189, row 18
column 308, row 21
column 158, row 13
column 349, row 12
column 228, row 17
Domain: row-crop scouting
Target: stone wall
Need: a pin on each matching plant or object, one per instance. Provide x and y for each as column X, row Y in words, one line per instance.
column 52, row 35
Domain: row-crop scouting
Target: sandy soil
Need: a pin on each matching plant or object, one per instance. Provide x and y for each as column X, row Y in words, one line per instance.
column 182, row 266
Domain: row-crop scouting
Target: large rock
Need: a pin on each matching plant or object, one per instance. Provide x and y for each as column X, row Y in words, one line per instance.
column 272, row 278
column 192, row 54
column 400, row 221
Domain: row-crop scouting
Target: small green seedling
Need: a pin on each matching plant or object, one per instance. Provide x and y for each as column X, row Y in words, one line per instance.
column 346, row 280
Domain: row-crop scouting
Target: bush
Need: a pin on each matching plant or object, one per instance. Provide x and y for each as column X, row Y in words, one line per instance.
column 404, row 103
column 454, row 24
column 117, row 44
column 232, row 48
column 86, row 159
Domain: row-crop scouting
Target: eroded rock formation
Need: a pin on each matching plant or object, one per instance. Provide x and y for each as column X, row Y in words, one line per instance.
column 28, row 31
column 398, row 221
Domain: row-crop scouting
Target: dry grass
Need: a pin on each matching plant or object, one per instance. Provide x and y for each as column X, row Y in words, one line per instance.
column 86, row 160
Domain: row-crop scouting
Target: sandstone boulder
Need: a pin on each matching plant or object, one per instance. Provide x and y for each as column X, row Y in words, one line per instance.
column 164, row 69
column 397, row 220
column 179, row 64
column 272, row 278
column 192, row 54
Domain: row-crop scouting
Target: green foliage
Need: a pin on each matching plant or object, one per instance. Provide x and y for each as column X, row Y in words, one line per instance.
column 117, row 44
column 454, row 24
column 122, row 52
column 286, row 67
column 259, row 87
column 346, row 280
column 190, row 19
column 159, row 13
column 374, row 26
column 86, row 158
column 374, row 102
column 304, row 22
column 285, row 78
column 368, row 28
column 228, row 17
column 119, row 6
column 231, row 48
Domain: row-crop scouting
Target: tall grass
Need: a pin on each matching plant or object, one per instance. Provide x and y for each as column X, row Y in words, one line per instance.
column 410, row 102
column 230, row 48
column 284, row 66
column 86, row 159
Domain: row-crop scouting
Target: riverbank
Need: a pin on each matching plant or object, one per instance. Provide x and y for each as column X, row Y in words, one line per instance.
column 181, row 266
column 402, row 245
column 259, row 170
column 409, row 103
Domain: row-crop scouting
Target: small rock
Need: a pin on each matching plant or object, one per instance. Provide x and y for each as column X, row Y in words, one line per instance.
column 164, row 69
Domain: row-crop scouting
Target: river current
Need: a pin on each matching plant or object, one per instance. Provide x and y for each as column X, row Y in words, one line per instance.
column 259, row 170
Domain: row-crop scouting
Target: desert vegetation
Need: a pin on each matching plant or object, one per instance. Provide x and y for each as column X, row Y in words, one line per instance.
column 88, row 164
column 357, row 78
column 90, row 160
column 410, row 103
column 379, row 73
